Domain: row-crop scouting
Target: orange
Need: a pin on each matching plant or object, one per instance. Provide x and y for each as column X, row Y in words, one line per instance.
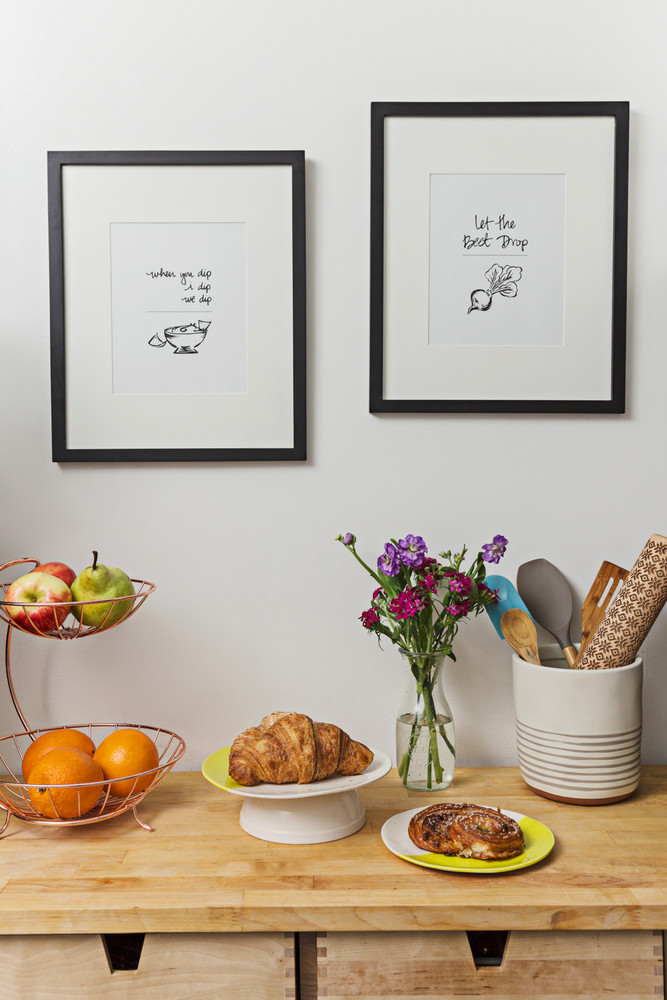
column 61, row 778
column 127, row 752
column 52, row 739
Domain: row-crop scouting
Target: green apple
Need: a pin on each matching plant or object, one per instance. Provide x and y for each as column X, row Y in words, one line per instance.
column 102, row 584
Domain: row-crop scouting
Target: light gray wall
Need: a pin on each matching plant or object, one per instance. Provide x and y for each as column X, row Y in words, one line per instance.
column 256, row 606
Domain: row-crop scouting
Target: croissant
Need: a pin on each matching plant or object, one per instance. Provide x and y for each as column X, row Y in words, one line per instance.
column 290, row 747
column 467, row 831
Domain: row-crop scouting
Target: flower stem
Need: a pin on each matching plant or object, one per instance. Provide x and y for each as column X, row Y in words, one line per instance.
column 423, row 672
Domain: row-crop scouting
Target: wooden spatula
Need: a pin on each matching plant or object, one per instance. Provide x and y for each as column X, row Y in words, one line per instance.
column 604, row 589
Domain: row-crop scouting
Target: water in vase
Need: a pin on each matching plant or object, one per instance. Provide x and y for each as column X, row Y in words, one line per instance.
column 426, row 758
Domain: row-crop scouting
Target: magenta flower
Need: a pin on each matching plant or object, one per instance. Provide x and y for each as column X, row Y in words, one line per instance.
column 458, row 610
column 483, row 589
column 389, row 562
column 408, row 603
column 460, row 584
column 493, row 551
column 411, row 550
column 369, row 618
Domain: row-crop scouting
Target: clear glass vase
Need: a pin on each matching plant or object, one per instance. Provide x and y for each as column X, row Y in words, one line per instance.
column 425, row 747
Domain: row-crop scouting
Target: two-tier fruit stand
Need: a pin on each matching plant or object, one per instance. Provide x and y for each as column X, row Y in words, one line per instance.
column 14, row 790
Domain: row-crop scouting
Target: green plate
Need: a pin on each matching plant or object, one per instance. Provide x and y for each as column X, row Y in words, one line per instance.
column 216, row 770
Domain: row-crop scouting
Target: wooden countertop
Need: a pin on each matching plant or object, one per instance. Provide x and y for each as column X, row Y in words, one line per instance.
column 199, row 872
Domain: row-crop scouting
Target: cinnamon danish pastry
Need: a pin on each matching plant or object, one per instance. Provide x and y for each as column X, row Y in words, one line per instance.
column 467, row 831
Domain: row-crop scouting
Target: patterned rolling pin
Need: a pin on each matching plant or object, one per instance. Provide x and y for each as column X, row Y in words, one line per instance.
column 630, row 617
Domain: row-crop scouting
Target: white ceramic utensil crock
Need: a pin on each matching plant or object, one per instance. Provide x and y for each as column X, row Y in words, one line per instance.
column 578, row 731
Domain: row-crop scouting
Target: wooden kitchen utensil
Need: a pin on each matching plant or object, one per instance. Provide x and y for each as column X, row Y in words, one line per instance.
column 605, row 587
column 628, row 621
column 549, row 600
column 519, row 630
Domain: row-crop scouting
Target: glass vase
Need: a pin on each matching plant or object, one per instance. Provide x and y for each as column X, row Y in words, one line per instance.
column 425, row 747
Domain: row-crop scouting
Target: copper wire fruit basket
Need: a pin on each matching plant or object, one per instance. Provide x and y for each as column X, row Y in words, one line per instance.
column 15, row 791
column 71, row 627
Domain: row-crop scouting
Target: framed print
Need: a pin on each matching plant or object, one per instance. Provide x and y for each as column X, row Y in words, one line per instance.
column 177, row 306
column 498, row 257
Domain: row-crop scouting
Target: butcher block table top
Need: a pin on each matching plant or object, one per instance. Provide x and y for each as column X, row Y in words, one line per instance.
column 199, row 872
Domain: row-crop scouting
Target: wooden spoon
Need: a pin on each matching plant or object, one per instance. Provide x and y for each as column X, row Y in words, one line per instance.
column 519, row 630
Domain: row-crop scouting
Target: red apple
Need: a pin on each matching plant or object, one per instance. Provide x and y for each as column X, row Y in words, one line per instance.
column 61, row 570
column 39, row 596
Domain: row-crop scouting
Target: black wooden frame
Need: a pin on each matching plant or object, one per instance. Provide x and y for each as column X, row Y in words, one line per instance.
column 60, row 451
column 380, row 111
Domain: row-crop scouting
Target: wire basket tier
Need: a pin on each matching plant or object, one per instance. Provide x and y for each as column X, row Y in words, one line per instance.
column 71, row 626
column 15, row 791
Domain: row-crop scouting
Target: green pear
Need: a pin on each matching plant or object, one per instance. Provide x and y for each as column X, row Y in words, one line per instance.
column 101, row 583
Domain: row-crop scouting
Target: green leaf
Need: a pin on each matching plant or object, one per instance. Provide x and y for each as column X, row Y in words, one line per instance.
column 392, row 585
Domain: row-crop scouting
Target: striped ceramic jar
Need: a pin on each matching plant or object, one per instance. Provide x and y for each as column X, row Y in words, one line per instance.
column 578, row 731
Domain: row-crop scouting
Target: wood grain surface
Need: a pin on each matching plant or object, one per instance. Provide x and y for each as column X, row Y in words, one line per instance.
column 199, row 872
column 172, row 967
column 551, row 965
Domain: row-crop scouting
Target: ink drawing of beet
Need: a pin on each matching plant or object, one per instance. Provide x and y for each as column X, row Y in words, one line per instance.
column 502, row 281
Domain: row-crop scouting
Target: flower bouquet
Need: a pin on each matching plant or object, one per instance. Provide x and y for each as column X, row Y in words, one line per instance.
column 418, row 604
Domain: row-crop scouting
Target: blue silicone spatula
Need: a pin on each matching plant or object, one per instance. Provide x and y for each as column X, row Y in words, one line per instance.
column 508, row 598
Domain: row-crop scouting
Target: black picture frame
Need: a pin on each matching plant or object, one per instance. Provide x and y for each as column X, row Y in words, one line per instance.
column 402, row 121
column 290, row 230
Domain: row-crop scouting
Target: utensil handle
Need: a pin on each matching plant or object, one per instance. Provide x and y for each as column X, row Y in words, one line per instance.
column 632, row 615
column 570, row 655
column 526, row 653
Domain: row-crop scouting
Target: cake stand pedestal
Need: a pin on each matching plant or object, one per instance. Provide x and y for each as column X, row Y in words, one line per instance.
column 314, row 813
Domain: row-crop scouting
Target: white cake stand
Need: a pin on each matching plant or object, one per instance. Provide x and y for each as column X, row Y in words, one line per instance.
column 315, row 813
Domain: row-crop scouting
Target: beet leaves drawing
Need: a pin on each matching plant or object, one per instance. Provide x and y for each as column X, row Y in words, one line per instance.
column 502, row 281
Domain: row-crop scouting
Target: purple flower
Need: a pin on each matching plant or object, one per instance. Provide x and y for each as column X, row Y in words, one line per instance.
column 389, row 563
column 348, row 538
column 493, row 551
column 411, row 550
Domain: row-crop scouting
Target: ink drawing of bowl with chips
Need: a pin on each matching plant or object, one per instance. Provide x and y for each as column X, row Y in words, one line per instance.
column 184, row 339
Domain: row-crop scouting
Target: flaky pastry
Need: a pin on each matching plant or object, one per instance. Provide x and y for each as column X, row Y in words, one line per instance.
column 290, row 747
column 467, row 831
